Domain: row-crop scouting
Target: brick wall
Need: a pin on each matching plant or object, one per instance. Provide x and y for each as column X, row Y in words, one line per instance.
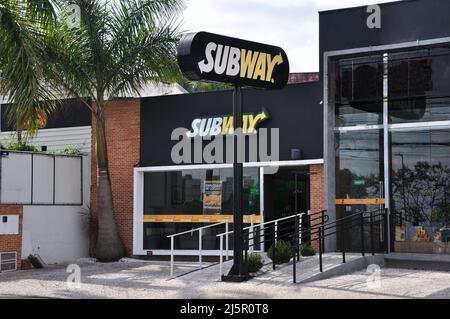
column 317, row 196
column 12, row 243
column 123, row 138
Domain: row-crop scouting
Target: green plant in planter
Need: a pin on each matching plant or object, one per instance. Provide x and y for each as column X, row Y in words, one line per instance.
column 23, row 146
column 307, row 250
column 69, row 150
column 283, row 252
column 254, row 262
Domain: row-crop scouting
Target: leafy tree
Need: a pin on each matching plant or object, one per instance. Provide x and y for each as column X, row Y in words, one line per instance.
column 24, row 28
column 421, row 193
column 115, row 49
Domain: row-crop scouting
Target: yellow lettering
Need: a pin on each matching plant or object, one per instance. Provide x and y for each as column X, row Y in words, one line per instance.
column 248, row 61
column 271, row 63
column 245, row 124
column 254, row 120
column 260, row 68
column 227, row 126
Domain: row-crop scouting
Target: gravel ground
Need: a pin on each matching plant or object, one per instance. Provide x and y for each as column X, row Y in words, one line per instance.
column 151, row 280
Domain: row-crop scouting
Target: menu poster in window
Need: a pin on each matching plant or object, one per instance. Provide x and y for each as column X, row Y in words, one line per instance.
column 212, row 197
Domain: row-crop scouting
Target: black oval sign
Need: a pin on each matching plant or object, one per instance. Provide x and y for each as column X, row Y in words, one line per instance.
column 213, row 57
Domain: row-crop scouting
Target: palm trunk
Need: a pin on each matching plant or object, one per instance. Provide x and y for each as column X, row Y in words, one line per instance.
column 109, row 244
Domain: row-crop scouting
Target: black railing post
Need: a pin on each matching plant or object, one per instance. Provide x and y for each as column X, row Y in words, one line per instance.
column 296, row 237
column 362, row 234
column 320, row 247
column 371, row 234
column 294, row 262
column 274, row 248
column 343, row 241
column 323, row 231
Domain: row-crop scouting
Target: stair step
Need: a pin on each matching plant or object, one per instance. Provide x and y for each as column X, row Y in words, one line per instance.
column 418, row 261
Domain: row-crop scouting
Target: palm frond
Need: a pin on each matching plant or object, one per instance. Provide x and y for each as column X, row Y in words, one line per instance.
column 146, row 34
column 23, row 27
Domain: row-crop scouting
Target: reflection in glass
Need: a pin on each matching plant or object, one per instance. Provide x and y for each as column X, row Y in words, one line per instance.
column 418, row 86
column 182, row 193
column 359, row 91
column 421, row 189
column 359, row 164
column 359, row 175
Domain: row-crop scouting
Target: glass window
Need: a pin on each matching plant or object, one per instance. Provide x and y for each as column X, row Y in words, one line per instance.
column 359, row 164
column 155, row 236
column 193, row 192
column 359, row 91
column 183, row 192
column 420, row 190
column 418, row 85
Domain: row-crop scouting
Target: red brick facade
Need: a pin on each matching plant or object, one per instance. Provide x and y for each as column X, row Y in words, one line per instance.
column 12, row 243
column 317, row 197
column 123, row 138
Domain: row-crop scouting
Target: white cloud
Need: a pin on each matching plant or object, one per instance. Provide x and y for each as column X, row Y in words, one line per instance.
column 291, row 24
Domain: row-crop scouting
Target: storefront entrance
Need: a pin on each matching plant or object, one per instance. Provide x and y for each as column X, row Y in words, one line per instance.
column 286, row 194
column 180, row 199
column 392, row 145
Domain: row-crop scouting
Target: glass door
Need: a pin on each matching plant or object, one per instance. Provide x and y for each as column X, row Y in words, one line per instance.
column 286, row 194
column 359, row 186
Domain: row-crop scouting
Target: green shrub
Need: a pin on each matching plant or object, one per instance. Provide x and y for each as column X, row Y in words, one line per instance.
column 69, row 150
column 307, row 250
column 283, row 252
column 23, row 146
column 254, row 262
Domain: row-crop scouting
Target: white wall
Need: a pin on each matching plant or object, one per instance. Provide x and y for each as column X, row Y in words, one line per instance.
column 57, row 234
column 9, row 224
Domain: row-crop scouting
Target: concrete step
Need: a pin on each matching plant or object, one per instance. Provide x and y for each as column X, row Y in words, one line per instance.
column 418, row 261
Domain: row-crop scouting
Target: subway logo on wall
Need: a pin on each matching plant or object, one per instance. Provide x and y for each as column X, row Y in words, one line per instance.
column 223, row 125
column 212, row 57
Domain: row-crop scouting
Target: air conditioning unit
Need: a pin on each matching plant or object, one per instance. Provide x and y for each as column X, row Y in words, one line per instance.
column 8, row 262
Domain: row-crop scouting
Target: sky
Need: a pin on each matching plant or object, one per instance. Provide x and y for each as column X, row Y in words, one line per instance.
column 290, row 24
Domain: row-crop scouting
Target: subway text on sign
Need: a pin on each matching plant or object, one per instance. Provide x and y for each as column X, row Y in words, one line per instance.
column 232, row 61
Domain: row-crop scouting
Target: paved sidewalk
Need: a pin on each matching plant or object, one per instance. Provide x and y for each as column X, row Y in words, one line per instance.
column 151, row 280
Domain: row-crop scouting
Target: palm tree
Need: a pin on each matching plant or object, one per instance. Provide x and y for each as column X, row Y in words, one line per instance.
column 24, row 27
column 117, row 47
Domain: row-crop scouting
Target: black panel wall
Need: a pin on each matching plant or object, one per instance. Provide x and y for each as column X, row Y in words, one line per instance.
column 68, row 113
column 401, row 21
column 295, row 110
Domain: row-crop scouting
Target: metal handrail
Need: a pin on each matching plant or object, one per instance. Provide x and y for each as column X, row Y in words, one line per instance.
column 196, row 229
column 260, row 226
column 265, row 223
column 325, row 218
column 324, row 229
column 200, row 244
column 343, row 223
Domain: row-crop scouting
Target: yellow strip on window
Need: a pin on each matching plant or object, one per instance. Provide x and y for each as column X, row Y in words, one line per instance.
column 198, row 219
column 360, row 201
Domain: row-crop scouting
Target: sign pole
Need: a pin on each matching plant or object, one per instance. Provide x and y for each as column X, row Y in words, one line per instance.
column 237, row 272
column 198, row 56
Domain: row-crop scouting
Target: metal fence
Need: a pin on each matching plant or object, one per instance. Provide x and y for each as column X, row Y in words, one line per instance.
column 40, row 179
